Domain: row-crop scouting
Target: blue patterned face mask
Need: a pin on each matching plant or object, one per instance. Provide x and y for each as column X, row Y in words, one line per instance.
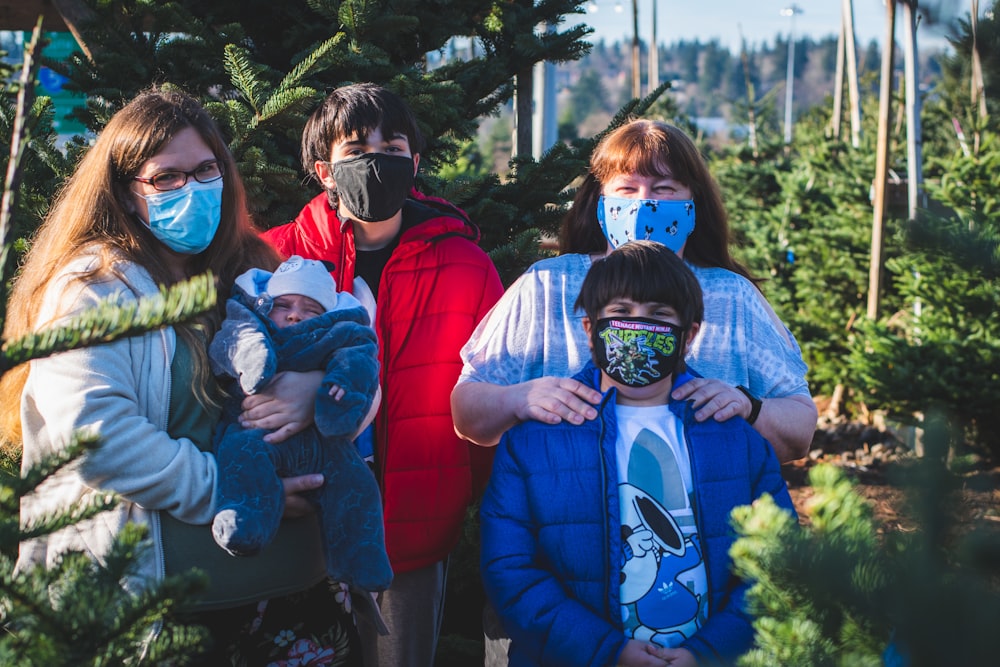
column 665, row 221
column 186, row 219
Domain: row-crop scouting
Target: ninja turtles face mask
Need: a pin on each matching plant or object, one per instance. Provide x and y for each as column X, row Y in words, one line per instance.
column 637, row 351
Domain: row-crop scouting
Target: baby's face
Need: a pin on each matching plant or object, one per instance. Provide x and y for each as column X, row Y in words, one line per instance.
column 289, row 309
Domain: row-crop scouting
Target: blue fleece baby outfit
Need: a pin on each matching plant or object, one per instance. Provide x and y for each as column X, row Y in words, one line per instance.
column 250, row 349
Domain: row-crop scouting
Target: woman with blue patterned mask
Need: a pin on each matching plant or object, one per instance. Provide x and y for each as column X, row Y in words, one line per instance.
column 647, row 179
column 655, row 207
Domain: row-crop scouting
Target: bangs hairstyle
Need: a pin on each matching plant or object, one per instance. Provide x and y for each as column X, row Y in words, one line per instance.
column 356, row 110
column 646, row 148
column 645, row 272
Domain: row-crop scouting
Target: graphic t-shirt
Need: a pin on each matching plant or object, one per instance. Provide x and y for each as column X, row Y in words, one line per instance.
column 664, row 586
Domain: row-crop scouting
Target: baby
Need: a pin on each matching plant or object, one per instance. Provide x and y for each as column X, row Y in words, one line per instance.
column 294, row 320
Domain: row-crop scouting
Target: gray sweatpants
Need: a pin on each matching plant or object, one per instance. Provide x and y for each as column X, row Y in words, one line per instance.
column 412, row 609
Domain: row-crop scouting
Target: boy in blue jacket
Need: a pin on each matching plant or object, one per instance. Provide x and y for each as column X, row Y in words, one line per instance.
column 607, row 543
column 294, row 319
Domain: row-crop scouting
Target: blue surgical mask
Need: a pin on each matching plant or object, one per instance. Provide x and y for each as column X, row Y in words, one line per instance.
column 186, row 219
column 666, row 221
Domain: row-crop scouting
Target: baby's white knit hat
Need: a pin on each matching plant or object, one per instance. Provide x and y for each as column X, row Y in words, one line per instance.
column 295, row 276
column 307, row 277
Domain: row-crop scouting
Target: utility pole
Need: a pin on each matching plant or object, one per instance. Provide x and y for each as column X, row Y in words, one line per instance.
column 790, row 72
column 544, row 128
column 653, row 75
column 636, row 74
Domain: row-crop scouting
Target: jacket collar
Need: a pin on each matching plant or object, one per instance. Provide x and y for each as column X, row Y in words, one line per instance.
column 590, row 375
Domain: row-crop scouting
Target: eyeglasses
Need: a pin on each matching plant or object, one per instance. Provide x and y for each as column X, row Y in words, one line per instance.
column 172, row 180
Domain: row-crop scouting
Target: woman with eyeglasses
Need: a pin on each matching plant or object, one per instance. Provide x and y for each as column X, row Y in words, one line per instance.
column 155, row 201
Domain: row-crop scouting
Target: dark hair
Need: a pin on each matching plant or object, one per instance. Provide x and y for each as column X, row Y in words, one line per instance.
column 356, row 110
column 644, row 271
column 652, row 148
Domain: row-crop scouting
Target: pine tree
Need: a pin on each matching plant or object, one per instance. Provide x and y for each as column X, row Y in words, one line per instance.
column 838, row 592
column 803, row 221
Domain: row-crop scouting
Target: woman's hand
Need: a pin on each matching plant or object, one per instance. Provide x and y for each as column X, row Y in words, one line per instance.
column 788, row 422
column 285, row 406
column 713, row 399
column 553, row 400
column 295, row 505
column 484, row 411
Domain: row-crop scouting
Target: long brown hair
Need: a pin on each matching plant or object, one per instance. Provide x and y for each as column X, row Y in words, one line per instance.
column 652, row 148
column 90, row 215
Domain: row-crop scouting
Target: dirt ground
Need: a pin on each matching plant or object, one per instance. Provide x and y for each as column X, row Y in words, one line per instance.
column 977, row 496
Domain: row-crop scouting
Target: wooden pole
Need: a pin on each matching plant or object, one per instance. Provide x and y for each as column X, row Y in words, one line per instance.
column 21, row 133
column 75, row 13
column 881, row 162
column 978, row 88
column 853, row 86
column 914, row 144
column 838, row 85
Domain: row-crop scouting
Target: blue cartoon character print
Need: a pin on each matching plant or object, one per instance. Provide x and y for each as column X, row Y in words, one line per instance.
column 665, row 221
column 659, row 571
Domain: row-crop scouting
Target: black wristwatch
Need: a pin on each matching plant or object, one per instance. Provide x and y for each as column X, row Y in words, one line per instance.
column 755, row 404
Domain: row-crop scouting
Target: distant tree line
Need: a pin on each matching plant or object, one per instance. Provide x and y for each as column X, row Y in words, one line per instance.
column 709, row 80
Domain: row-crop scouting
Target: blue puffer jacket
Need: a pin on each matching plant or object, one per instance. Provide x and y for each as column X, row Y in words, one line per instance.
column 551, row 542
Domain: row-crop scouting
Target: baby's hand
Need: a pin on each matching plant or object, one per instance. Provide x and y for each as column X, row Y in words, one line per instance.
column 336, row 392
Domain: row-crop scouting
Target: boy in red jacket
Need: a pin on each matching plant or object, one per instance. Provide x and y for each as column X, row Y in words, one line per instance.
column 418, row 257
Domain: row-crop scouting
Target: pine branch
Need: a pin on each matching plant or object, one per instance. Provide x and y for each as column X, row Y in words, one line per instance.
column 312, row 62
column 244, row 76
column 110, row 320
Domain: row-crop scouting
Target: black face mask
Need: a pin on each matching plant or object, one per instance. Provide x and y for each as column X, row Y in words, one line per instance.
column 637, row 351
column 374, row 186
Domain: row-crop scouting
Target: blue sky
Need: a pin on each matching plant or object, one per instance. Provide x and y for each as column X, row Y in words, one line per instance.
column 760, row 20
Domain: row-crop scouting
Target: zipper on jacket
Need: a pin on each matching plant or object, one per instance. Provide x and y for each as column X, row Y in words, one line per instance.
column 604, row 502
column 696, row 490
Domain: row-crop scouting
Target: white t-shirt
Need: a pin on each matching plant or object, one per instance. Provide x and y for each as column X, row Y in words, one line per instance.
column 664, row 589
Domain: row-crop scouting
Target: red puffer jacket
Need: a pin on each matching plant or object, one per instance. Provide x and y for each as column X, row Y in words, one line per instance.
column 435, row 288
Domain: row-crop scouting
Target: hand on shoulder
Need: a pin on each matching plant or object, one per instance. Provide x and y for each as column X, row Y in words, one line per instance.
column 552, row 400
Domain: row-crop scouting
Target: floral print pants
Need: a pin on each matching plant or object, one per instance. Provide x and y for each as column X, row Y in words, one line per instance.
column 314, row 628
